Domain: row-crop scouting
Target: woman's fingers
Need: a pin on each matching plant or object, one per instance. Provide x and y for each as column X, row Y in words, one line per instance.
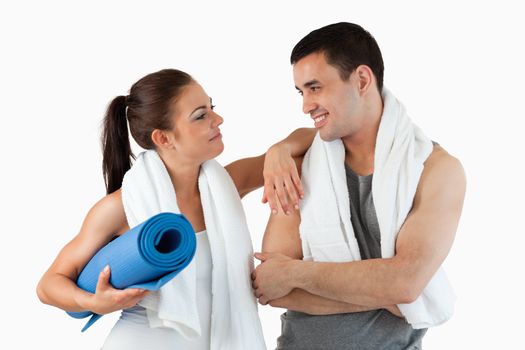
column 282, row 187
column 291, row 193
column 103, row 280
column 270, row 196
column 108, row 299
column 297, row 182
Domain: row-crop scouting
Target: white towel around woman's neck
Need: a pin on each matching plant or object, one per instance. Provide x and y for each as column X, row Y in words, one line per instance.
column 147, row 190
column 326, row 229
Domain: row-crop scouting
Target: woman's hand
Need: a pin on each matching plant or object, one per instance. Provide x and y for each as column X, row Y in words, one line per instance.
column 108, row 299
column 281, row 179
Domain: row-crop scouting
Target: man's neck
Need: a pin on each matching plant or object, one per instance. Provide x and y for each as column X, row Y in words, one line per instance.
column 359, row 154
column 360, row 146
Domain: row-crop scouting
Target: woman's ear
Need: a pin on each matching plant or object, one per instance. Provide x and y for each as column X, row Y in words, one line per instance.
column 162, row 139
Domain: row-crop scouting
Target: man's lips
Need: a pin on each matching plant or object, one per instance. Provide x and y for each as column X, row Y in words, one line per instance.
column 320, row 119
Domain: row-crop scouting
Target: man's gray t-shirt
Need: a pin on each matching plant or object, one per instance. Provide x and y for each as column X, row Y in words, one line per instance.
column 370, row 330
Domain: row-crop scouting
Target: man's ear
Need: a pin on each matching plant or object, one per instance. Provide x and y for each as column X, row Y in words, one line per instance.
column 365, row 78
column 162, row 139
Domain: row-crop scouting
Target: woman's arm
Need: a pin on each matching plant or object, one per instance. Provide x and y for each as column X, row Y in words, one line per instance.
column 57, row 286
column 276, row 170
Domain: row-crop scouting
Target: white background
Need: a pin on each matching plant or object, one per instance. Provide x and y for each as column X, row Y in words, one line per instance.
column 457, row 66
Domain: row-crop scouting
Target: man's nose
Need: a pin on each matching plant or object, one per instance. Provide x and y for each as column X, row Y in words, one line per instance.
column 309, row 105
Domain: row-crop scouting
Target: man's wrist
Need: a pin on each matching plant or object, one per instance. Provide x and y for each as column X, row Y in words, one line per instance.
column 295, row 271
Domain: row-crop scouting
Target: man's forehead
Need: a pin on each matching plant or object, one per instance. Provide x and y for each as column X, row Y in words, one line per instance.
column 310, row 69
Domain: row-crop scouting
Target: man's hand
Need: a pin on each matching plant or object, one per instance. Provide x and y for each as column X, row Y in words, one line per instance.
column 271, row 279
column 394, row 310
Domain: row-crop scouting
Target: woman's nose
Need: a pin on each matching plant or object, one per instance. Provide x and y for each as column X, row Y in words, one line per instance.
column 218, row 120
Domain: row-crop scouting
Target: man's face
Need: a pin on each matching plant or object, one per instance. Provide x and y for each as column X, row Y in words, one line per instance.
column 332, row 103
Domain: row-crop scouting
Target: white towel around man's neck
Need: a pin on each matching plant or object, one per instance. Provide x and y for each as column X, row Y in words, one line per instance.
column 326, row 229
column 147, row 190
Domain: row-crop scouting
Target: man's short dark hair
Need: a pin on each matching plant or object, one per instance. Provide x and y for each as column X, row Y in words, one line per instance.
column 346, row 46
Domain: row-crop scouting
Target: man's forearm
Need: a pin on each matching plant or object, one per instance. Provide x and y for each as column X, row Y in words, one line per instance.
column 303, row 301
column 372, row 283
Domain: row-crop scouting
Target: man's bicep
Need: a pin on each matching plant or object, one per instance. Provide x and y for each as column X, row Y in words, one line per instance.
column 426, row 237
column 282, row 235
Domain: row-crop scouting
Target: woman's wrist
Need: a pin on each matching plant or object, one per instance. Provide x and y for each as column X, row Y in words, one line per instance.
column 283, row 146
column 83, row 299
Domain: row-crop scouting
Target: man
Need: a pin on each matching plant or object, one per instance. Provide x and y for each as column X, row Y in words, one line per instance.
column 372, row 298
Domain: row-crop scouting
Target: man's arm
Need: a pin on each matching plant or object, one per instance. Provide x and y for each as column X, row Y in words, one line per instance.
column 422, row 245
column 282, row 237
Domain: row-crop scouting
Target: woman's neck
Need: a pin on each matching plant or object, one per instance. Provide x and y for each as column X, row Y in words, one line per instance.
column 184, row 175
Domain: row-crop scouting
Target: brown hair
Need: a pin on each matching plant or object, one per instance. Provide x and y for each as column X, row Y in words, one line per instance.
column 146, row 108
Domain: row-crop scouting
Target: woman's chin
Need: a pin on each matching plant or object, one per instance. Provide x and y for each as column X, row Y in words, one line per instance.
column 218, row 148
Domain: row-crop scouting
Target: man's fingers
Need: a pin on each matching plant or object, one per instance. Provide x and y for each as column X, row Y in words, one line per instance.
column 259, row 256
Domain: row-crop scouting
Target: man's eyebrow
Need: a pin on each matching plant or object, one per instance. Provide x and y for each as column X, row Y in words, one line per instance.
column 309, row 83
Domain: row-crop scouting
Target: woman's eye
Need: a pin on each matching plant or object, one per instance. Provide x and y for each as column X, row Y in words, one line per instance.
column 202, row 116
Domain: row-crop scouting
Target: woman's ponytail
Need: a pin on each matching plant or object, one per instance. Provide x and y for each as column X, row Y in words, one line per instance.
column 147, row 107
column 116, row 149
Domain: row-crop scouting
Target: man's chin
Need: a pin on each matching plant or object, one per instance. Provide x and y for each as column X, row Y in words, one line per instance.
column 327, row 136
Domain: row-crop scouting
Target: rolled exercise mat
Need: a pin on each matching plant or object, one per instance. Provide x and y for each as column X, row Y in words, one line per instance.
column 147, row 256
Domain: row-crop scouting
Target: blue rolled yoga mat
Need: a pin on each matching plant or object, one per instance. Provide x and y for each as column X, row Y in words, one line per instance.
column 147, row 256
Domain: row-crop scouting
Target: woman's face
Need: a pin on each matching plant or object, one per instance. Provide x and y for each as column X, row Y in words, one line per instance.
column 196, row 126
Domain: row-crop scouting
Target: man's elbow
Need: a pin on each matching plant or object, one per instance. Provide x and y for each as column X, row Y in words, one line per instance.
column 407, row 292
column 275, row 303
column 407, row 295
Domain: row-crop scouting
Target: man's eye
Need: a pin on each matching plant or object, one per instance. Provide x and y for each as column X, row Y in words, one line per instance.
column 315, row 88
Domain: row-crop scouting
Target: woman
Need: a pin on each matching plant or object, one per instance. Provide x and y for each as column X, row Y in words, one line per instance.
column 169, row 114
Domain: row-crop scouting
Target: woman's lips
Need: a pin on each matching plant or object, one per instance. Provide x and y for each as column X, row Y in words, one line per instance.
column 216, row 137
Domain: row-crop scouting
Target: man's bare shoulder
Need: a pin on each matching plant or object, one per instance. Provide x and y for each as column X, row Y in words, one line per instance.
column 442, row 170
